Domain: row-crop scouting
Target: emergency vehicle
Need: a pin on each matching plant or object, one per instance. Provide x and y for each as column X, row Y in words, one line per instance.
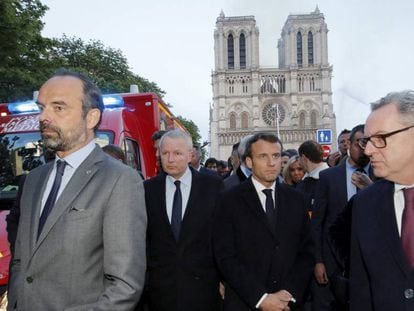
column 128, row 121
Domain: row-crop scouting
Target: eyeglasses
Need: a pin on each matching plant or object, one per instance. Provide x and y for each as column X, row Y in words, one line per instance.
column 380, row 140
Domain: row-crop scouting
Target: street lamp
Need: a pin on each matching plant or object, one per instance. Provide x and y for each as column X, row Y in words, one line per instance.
column 276, row 116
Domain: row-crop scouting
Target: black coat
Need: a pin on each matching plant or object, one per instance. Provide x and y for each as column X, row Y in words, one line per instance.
column 380, row 279
column 253, row 258
column 330, row 199
column 182, row 275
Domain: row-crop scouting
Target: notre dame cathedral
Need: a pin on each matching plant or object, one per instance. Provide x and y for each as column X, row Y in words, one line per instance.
column 292, row 101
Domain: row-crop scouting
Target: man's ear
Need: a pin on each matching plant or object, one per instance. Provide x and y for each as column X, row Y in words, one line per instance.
column 92, row 118
column 249, row 162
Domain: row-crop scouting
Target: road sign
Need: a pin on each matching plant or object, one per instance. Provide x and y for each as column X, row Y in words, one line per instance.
column 326, row 150
column 324, row 137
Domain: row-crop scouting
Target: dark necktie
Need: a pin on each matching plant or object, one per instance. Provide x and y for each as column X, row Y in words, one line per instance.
column 51, row 199
column 270, row 207
column 177, row 210
column 407, row 226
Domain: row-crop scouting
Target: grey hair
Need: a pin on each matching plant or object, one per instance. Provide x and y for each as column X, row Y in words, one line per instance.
column 242, row 147
column 177, row 134
column 404, row 101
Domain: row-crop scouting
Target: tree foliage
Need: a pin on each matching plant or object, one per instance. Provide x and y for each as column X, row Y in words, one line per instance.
column 23, row 51
column 27, row 59
column 108, row 67
column 192, row 128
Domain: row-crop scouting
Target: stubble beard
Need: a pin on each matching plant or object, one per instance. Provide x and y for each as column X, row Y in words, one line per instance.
column 62, row 142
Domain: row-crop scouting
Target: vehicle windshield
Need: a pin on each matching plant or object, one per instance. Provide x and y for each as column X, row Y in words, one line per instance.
column 19, row 154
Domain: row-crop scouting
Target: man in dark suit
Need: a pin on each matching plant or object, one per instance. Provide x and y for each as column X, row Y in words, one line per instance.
column 336, row 186
column 81, row 238
column 311, row 160
column 180, row 205
column 242, row 172
column 382, row 245
column 263, row 249
column 195, row 162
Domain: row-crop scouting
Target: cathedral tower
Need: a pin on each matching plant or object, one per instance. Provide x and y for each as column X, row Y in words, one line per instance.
column 292, row 101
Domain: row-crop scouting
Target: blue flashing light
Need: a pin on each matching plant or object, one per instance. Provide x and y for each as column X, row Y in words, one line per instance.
column 113, row 101
column 29, row 106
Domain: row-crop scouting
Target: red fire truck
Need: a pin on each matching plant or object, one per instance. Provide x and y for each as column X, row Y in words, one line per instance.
column 128, row 121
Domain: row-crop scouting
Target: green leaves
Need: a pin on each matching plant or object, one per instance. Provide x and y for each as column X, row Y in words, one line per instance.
column 27, row 59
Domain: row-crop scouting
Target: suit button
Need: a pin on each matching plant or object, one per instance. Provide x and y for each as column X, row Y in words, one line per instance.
column 409, row 293
column 29, row 279
column 274, row 281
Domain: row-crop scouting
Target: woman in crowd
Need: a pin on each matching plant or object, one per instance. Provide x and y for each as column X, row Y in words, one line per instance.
column 293, row 171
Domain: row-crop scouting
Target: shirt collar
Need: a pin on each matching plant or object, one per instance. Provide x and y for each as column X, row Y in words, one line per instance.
column 315, row 173
column 259, row 186
column 246, row 171
column 185, row 179
column 353, row 168
column 398, row 187
column 76, row 158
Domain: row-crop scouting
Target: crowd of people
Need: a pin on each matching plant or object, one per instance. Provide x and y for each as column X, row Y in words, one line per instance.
column 269, row 229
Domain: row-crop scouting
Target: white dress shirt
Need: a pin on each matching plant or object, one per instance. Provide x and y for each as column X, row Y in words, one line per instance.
column 73, row 161
column 262, row 197
column 170, row 191
column 351, row 189
column 259, row 187
column 399, row 203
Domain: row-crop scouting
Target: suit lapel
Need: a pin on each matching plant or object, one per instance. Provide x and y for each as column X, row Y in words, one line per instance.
column 37, row 202
column 79, row 180
column 343, row 193
column 160, row 199
column 387, row 221
column 192, row 212
column 251, row 198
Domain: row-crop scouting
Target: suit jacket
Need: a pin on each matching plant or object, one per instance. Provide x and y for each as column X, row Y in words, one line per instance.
column 330, row 199
column 182, row 275
column 380, row 279
column 234, row 179
column 207, row 171
column 91, row 251
column 255, row 258
column 308, row 187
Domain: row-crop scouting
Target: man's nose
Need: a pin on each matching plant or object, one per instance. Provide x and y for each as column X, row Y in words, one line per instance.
column 44, row 115
column 171, row 157
column 369, row 148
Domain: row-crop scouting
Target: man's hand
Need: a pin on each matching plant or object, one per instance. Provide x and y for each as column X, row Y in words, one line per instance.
column 277, row 301
column 360, row 180
column 222, row 290
column 333, row 158
column 320, row 273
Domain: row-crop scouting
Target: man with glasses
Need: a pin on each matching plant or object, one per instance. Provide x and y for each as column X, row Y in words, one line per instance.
column 336, row 186
column 382, row 244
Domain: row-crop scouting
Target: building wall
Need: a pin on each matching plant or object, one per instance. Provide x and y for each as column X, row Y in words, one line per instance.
column 247, row 98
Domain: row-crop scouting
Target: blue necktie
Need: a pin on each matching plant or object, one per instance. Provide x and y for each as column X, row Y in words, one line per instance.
column 270, row 207
column 51, row 199
column 177, row 210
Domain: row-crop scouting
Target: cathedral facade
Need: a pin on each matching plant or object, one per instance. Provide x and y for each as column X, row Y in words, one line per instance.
column 291, row 101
